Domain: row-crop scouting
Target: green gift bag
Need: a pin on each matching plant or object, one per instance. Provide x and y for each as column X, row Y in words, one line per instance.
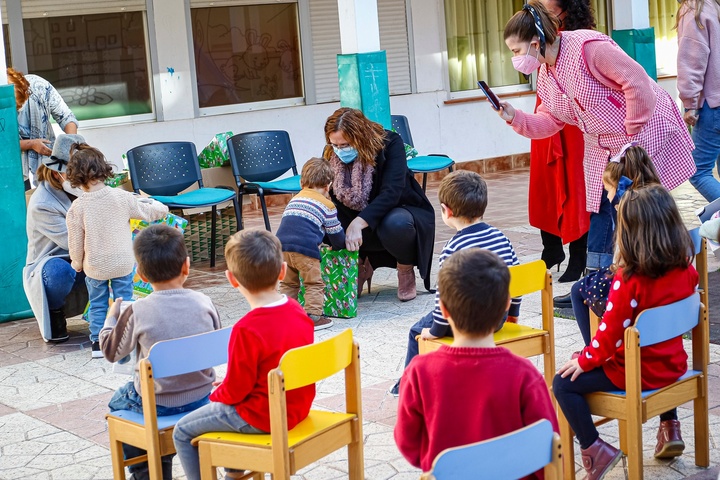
column 216, row 153
column 339, row 270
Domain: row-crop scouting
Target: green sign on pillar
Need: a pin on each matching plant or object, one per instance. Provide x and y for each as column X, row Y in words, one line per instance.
column 640, row 45
column 13, row 304
column 364, row 85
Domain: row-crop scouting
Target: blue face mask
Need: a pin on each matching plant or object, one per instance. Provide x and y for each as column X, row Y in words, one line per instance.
column 346, row 154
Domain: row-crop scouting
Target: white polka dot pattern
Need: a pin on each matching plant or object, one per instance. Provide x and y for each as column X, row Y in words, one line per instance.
column 633, row 303
column 609, row 307
column 595, row 344
column 618, row 343
column 627, row 323
column 602, row 327
column 616, row 285
column 587, row 355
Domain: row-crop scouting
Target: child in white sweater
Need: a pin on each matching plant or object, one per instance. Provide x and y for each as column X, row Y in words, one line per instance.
column 99, row 236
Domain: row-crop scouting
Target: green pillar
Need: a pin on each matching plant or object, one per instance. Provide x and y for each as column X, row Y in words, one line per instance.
column 13, row 304
column 640, row 45
column 364, row 85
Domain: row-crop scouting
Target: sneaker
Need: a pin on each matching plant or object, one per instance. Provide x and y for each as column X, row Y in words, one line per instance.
column 395, row 390
column 96, row 353
column 321, row 322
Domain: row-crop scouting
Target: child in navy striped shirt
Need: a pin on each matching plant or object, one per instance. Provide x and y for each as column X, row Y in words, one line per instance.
column 307, row 218
column 463, row 199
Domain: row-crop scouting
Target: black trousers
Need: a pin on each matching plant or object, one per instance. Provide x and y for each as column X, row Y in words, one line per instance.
column 395, row 235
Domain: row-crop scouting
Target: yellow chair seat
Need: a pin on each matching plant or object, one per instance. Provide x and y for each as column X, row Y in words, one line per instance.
column 316, row 422
column 513, row 331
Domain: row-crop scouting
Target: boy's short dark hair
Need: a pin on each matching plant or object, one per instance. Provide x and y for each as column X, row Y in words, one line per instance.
column 255, row 258
column 474, row 287
column 87, row 164
column 160, row 253
column 465, row 193
column 316, row 173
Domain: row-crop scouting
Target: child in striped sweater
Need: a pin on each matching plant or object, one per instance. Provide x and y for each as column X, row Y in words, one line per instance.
column 308, row 217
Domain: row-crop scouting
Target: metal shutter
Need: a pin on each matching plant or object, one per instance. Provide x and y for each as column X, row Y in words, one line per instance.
column 60, row 8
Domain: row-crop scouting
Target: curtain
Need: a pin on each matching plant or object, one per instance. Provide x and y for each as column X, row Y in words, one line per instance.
column 662, row 18
column 475, row 43
column 599, row 8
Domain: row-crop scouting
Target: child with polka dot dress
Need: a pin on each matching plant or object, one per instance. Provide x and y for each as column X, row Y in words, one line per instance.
column 652, row 263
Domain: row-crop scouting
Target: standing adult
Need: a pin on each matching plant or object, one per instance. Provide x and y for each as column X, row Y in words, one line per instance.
column 37, row 102
column 586, row 80
column 48, row 278
column 556, row 197
column 698, row 83
column 385, row 213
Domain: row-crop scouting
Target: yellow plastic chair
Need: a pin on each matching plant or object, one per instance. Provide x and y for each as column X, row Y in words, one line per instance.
column 498, row 458
column 634, row 407
column 283, row 452
column 148, row 431
column 521, row 339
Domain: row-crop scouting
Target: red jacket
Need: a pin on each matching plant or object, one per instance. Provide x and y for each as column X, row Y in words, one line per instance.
column 662, row 363
column 257, row 342
column 456, row 396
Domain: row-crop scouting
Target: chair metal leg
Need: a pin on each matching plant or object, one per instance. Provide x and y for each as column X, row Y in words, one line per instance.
column 264, row 210
column 239, row 208
column 238, row 214
column 424, row 181
column 213, row 234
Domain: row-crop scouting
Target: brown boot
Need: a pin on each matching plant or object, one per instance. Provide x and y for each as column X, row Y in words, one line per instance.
column 599, row 458
column 406, row 282
column 365, row 273
column 669, row 441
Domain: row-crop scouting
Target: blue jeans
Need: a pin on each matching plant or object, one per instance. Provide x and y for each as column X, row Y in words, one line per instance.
column 99, row 294
column 601, row 237
column 706, row 135
column 59, row 279
column 213, row 417
column 127, row 398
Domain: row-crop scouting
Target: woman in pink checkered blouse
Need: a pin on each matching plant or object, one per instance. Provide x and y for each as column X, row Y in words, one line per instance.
column 586, row 80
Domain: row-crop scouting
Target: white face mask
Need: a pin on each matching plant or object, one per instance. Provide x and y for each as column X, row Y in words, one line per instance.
column 70, row 189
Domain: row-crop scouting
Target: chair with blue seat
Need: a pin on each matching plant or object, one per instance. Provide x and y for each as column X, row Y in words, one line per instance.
column 633, row 407
column 507, row 457
column 424, row 164
column 164, row 169
column 148, row 431
column 257, row 160
column 283, row 452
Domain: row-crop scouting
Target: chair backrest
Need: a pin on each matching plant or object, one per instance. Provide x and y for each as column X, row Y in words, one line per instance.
column 189, row 354
column 527, row 278
column 514, row 455
column 704, row 213
column 164, row 168
column 309, row 364
column 402, row 127
column 668, row 321
column 261, row 156
column 697, row 240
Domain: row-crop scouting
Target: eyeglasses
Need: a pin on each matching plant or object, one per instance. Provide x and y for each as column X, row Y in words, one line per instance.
column 342, row 148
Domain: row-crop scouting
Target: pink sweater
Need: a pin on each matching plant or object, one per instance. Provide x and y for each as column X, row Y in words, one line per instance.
column 698, row 60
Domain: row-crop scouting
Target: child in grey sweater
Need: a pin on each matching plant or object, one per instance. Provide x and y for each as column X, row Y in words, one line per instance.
column 171, row 311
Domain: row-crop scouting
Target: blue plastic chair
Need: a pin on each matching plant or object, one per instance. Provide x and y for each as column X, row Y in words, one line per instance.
column 148, row 431
column 700, row 247
column 507, row 457
column 164, row 169
column 633, row 407
column 257, row 160
column 423, row 163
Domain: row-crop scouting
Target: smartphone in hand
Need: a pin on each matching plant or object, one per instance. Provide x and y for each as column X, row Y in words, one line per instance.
column 492, row 98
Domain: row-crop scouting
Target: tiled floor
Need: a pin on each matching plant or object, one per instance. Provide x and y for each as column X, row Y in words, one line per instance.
column 53, row 397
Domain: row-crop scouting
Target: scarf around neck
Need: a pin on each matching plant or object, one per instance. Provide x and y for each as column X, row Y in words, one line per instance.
column 352, row 183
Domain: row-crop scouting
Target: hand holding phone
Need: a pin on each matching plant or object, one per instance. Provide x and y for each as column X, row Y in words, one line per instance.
column 492, row 98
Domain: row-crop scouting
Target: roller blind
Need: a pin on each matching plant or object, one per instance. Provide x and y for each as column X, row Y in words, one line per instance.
column 59, row 8
column 233, row 3
column 326, row 46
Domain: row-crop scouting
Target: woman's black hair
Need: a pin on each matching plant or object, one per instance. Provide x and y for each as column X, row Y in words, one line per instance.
column 578, row 15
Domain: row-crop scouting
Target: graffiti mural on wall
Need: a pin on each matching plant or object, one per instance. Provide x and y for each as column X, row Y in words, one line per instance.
column 246, row 53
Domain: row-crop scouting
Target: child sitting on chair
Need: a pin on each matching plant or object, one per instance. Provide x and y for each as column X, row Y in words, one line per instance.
column 274, row 325
column 99, row 237
column 471, row 390
column 308, row 217
column 171, row 311
column 653, row 251
column 463, row 199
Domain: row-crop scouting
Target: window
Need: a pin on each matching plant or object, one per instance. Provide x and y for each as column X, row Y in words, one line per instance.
column 247, row 53
column 98, row 63
column 6, row 43
column 662, row 18
column 476, row 44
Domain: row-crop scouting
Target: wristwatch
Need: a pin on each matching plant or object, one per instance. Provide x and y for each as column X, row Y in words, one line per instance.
column 694, row 110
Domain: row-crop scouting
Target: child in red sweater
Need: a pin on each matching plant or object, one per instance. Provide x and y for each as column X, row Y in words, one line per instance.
column 471, row 390
column 274, row 325
column 652, row 263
